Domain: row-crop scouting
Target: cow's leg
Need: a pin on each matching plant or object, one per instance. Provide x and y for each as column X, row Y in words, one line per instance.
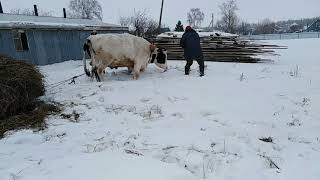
column 142, row 69
column 144, row 66
column 93, row 64
column 96, row 74
column 93, row 72
column 136, row 71
column 101, row 73
column 130, row 69
column 96, row 70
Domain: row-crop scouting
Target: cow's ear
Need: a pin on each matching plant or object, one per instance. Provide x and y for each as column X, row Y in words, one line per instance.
column 152, row 47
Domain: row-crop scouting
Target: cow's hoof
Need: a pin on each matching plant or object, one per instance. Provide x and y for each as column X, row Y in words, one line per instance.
column 97, row 77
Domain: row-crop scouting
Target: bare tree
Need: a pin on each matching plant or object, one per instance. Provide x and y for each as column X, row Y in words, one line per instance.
column 244, row 28
column 195, row 17
column 265, row 27
column 86, row 9
column 139, row 22
column 125, row 21
column 229, row 20
column 30, row 12
column 152, row 28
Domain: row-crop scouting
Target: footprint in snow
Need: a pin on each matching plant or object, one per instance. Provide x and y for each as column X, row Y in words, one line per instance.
column 106, row 88
column 101, row 99
column 176, row 99
column 208, row 113
column 145, row 100
column 178, row 115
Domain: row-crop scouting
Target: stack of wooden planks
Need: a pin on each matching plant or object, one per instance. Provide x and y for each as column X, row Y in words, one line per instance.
column 222, row 49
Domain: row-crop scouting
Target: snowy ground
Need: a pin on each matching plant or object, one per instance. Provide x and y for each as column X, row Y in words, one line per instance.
column 168, row 126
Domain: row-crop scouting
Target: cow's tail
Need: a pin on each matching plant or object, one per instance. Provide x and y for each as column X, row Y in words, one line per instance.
column 86, row 48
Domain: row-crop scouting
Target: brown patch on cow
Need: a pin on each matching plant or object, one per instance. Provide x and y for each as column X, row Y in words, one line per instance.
column 152, row 47
column 122, row 63
column 103, row 58
column 106, row 59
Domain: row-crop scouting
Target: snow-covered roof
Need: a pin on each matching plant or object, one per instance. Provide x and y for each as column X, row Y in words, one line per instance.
column 201, row 34
column 25, row 21
column 294, row 24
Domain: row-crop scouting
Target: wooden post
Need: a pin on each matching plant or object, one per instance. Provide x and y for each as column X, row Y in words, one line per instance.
column 64, row 13
column 35, row 10
column 160, row 17
column 1, row 10
column 212, row 22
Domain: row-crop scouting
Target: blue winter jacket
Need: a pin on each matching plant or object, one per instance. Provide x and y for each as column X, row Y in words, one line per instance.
column 190, row 42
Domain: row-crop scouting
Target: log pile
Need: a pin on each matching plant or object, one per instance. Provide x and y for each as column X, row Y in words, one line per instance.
column 221, row 49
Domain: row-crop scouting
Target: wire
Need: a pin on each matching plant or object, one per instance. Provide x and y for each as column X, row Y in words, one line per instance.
column 54, row 85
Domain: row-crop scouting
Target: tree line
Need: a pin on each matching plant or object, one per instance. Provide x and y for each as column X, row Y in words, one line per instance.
column 141, row 24
column 230, row 22
column 84, row 9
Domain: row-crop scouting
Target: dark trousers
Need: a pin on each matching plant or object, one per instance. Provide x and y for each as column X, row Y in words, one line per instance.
column 200, row 61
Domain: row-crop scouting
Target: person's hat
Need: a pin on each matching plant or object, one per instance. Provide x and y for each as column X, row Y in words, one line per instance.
column 188, row 28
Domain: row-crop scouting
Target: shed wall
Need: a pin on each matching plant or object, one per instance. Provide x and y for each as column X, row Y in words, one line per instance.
column 47, row 46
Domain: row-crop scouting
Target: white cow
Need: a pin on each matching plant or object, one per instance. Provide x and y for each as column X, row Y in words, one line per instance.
column 121, row 50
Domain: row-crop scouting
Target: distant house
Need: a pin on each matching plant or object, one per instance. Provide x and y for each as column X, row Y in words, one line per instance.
column 48, row 40
column 314, row 27
column 294, row 27
column 280, row 29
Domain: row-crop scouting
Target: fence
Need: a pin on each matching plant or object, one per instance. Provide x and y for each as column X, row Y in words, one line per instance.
column 303, row 35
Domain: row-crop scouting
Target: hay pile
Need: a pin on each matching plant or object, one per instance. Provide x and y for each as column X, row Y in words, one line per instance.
column 20, row 86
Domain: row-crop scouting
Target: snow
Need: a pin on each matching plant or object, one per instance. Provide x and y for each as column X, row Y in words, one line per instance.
column 28, row 23
column 13, row 20
column 294, row 24
column 171, row 126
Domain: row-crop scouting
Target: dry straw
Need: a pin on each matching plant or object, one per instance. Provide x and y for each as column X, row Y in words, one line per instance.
column 20, row 86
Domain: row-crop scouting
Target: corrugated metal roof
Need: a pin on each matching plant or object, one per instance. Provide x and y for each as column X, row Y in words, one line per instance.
column 24, row 21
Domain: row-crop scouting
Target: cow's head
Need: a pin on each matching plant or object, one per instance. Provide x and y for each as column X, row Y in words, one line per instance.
column 158, row 57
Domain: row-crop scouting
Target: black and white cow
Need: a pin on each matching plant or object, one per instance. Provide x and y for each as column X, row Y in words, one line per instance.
column 122, row 50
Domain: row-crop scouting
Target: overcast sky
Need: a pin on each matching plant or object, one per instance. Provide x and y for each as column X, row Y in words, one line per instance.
column 174, row 10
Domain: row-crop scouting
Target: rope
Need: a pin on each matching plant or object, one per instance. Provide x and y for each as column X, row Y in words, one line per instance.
column 54, row 85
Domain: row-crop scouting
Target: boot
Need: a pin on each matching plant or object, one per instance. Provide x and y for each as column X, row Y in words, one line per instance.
column 186, row 70
column 201, row 71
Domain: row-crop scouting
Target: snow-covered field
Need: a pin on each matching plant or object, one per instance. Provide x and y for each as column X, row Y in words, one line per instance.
column 168, row 126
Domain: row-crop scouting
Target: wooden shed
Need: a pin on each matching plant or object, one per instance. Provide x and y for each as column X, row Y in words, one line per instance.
column 47, row 40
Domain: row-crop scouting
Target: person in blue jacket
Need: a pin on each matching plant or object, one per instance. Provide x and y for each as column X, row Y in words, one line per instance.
column 190, row 42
